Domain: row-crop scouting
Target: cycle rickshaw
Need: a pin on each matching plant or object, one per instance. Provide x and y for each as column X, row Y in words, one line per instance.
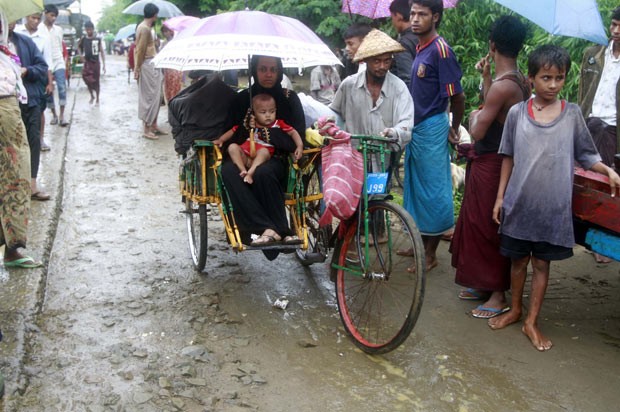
column 379, row 292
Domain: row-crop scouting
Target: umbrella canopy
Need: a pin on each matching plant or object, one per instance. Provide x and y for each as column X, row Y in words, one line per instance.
column 572, row 18
column 180, row 23
column 224, row 41
column 125, row 32
column 14, row 9
column 376, row 9
column 166, row 9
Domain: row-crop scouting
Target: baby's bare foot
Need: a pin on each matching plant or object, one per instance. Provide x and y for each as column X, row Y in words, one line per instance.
column 505, row 319
column 248, row 179
column 243, row 173
column 540, row 342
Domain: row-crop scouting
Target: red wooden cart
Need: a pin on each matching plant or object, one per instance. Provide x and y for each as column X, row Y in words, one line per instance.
column 596, row 214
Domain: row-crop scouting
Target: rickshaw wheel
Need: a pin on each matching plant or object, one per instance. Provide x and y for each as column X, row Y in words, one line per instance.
column 379, row 296
column 196, row 219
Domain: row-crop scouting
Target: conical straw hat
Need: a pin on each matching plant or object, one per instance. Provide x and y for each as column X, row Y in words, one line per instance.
column 375, row 43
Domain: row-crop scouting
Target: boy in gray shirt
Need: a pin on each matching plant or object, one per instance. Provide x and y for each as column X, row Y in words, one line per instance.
column 542, row 138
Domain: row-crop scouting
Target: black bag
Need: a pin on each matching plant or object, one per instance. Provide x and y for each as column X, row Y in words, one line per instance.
column 199, row 112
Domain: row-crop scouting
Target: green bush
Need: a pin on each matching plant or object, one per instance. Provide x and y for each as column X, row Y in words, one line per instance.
column 466, row 26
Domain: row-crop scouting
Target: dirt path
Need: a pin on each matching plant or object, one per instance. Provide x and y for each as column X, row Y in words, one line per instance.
column 119, row 320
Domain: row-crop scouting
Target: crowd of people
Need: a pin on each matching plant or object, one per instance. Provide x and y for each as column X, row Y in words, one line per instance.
column 516, row 206
column 520, row 164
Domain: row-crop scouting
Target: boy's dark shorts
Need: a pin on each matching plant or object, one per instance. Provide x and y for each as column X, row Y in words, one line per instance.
column 519, row 248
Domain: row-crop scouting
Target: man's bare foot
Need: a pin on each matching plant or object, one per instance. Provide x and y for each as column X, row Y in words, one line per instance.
column 429, row 266
column 601, row 258
column 539, row 341
column 505, row 319
column 432, row 264
column 405, row 252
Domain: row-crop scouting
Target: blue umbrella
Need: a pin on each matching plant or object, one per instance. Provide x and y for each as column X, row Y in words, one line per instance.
column 572, row 18
column 124, row 32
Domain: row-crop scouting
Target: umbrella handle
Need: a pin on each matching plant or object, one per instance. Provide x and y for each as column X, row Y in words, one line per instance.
column 252, row 144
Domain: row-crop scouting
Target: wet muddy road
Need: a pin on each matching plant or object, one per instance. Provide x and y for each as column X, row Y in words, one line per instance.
column 118, row 320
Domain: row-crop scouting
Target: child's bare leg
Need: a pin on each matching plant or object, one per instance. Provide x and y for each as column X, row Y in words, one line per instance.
column 518, row 273
column 238, row 158
column 262, row 155
column 540, row 279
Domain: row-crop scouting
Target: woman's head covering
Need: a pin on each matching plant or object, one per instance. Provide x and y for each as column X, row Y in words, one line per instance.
column 257, row 88
column 277, row 92
column 288, row 105
column 376, row 43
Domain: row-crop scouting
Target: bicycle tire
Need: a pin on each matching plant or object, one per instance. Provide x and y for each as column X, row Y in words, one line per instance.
column 318, row 237
column 380, row 309
column 197, row 230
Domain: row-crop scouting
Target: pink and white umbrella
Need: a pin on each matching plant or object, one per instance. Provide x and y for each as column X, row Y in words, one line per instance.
column 224, row 42
column 180, row 23
column 376, row 9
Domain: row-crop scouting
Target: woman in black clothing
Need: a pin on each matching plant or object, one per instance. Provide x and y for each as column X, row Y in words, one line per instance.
column 259, row 207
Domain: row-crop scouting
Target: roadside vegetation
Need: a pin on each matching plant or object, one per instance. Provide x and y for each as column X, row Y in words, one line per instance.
column 464, row 27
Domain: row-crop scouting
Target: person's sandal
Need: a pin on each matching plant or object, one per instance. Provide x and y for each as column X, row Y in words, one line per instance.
column 265, row 240
column 292, row 240
column 40, row 196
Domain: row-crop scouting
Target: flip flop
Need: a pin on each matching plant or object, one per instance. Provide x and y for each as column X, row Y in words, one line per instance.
column 265, row 240
column 473, row 294
column 494, row 312
column 64, row 123
column 150, row 136
column 22, row 263
column 292, row 240
column 40, row 196
column 159, row 132
column 54, row 120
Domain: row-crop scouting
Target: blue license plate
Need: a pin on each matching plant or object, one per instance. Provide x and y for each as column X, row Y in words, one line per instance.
column 376, row 183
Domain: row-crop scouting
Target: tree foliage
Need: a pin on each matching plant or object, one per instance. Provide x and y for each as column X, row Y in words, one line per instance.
column 112, row 17
column 464, row 27
column 466, row 30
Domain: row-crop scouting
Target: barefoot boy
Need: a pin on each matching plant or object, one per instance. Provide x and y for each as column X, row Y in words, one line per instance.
column 541, row 140
column 264, row 111
column 90, row 48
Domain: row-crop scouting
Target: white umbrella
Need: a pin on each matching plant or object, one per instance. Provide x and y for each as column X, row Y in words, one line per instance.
column 224, row 42
column 166, row 9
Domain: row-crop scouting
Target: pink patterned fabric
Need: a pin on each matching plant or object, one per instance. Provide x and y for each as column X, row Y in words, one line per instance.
column 343, row 173
column 376, row 9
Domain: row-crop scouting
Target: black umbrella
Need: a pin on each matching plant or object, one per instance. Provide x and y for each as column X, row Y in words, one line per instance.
column 58, row 3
